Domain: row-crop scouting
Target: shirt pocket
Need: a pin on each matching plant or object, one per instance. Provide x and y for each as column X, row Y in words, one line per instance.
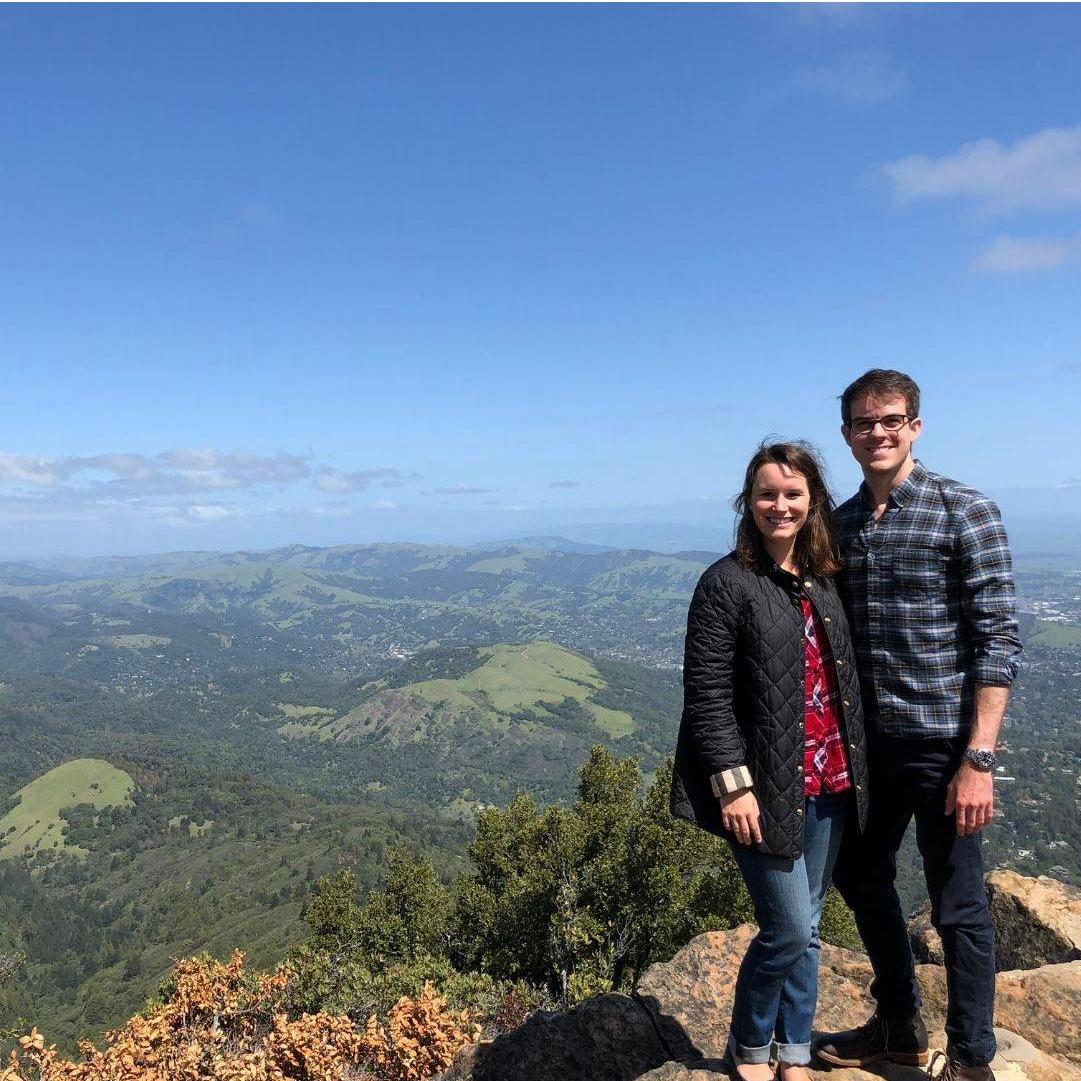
column 917, row 571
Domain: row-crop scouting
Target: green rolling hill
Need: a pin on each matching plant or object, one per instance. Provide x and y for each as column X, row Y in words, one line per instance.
column 37, row 821
column 511, row 686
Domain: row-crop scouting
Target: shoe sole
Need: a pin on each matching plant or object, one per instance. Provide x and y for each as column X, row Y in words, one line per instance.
column 915, row 1058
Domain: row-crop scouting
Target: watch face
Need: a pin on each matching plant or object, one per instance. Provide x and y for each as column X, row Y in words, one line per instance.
column 982, row 759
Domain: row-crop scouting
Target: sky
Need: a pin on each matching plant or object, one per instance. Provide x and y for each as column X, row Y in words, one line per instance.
column 331, row 274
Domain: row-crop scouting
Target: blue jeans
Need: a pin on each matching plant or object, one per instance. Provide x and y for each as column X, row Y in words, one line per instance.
column 777, row 986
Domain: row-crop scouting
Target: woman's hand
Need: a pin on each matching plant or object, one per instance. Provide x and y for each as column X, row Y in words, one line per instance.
column 740, row 815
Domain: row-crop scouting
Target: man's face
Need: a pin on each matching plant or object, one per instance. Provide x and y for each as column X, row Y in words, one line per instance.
column 879, row 450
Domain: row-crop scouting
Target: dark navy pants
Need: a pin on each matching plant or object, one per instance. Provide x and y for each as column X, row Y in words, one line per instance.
column 908, row 780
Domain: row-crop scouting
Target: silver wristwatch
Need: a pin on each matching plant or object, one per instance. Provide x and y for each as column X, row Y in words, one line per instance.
column 984, row 761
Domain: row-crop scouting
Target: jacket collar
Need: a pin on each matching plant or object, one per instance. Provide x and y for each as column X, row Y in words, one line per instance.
column 792, row 583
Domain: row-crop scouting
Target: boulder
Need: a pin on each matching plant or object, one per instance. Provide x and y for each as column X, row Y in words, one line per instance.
column 608, row 1038
column 675, row 1026
column 926, row 945
column 1037, row 922
column 1045, row 1004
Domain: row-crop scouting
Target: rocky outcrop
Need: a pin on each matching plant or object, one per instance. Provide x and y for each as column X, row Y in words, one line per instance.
column 675, row 1026
column 1037, row 922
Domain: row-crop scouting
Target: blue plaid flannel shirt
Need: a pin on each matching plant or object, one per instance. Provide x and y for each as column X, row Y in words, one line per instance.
column 930, row 598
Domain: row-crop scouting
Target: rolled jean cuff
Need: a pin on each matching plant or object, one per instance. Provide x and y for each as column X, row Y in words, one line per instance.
column 748, row 1056
column 795, row 1054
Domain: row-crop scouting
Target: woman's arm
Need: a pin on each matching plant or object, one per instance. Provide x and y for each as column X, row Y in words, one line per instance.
column 708, row 672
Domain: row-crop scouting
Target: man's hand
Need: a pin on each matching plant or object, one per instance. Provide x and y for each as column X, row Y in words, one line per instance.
column 740, row 814
column 971, row 795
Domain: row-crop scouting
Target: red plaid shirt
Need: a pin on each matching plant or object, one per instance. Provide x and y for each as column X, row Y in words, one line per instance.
column 825, row 765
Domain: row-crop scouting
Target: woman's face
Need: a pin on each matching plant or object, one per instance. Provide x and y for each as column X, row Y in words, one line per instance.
column 780, row 501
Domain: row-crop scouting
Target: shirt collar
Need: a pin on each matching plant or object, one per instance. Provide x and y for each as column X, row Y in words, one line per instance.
column 904, row 491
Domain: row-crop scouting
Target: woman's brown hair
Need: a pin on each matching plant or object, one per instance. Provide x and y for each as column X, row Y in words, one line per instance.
column 816, row 545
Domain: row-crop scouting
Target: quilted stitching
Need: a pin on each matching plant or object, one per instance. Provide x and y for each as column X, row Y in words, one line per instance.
column 743, row 698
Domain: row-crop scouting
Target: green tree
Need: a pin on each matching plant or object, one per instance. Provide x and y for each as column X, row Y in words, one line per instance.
column 584, row 899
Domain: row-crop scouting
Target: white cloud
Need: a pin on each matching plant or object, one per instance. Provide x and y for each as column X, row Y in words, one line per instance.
column 864, row 77
column 211, row 512
column 1038, row 172
column 339, row 509
column 169, row 471
column 339, row 483
column 1019, row 255
column 182, row 487
column 212, row 469
column 462, row 489
column 565, row 484
column 18, row 469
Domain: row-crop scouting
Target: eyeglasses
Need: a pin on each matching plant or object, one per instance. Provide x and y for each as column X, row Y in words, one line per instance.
column 891, row 422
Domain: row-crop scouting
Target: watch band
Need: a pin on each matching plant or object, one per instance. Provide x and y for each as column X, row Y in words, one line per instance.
column 984, row 761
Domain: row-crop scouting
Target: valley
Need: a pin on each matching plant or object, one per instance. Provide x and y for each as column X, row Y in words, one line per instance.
column 193, row 740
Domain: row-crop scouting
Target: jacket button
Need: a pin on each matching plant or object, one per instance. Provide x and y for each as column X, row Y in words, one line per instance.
column 846, row 702
column 807, row 585
column 799, row 769
column 799, row 811
column 828, row 620
column 858, row 788
column 840, row 663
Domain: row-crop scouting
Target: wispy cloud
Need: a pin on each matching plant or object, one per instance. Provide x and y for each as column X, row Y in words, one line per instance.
column 1021, row 255
column 565, row 484
column 169, row 471
column 861, row 77
column 338, row 482
column 834, row 16
column 211, row 469
column 462, row 489
column 179, row 487
column 1037, row 172
column 211, row 512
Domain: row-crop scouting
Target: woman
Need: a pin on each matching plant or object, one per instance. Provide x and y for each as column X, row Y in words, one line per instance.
column 771, row 747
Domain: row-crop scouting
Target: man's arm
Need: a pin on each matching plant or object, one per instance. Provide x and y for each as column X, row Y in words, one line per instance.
column 971, row 793
column 989, row 611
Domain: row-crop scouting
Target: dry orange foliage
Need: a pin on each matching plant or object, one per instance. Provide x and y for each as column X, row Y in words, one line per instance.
column 220, row 1024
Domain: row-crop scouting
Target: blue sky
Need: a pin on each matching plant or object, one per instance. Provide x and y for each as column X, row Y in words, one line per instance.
column 285, row 274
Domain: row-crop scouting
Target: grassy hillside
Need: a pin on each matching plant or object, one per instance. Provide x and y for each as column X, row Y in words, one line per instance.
column 529, row 687
column 36, row 822
column 1056, row 635
column 195, row 861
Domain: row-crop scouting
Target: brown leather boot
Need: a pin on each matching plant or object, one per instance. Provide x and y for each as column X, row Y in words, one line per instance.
column 958, row 1071
column 903, row 1042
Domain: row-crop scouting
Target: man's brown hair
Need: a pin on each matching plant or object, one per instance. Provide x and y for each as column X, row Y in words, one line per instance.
column 881, row 384
column 816, row 549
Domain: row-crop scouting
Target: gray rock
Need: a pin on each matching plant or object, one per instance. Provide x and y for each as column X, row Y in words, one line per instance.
column 1037, row 922
column 608, row 1038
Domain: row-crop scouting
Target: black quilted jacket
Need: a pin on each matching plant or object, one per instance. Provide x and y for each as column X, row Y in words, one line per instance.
column 743, row 697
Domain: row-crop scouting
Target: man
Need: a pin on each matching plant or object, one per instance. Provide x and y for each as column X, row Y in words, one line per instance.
column 928, row 586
